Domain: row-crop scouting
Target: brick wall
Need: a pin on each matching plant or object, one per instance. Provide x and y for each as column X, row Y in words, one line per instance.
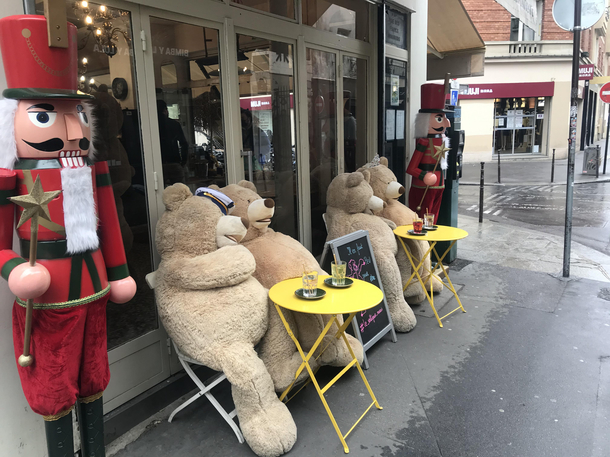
column 550, row 30
column 490, row 18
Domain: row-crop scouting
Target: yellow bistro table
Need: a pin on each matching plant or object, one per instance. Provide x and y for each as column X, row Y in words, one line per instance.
column 442, row 233
column 337, row 301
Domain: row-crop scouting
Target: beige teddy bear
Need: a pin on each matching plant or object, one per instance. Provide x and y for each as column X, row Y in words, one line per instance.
column 350, row 205
column 386, row 186
column 280, row 257
column 216, row 311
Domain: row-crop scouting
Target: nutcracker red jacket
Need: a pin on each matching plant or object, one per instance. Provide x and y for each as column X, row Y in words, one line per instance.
column 75, row 278
column 424, row 160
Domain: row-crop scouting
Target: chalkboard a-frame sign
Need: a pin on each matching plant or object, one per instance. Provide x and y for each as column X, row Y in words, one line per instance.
column 355, row 249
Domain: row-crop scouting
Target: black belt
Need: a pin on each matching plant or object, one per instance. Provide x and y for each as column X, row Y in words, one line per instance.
column 57, row 249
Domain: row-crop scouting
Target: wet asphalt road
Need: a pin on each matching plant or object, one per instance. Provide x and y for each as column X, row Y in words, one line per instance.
column 543, row 207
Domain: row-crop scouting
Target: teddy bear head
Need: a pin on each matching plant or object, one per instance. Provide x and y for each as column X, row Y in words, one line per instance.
column 383, row 181
column 251, row 206
column 352, row 193
column 193, row 226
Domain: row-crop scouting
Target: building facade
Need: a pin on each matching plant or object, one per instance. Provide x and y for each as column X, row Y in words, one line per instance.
column 287, row 94
column 521, row 106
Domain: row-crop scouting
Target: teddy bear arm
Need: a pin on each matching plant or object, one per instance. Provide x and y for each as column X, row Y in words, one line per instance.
column 390, row 223
column 211, row 270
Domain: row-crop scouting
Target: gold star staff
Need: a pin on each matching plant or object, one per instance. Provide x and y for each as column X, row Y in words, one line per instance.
column 34, row 204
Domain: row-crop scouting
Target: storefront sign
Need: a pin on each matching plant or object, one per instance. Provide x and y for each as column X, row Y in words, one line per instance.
column 259, row 103
column 604, row 93
column 508, row 90
column 396, row 26
column 586, row 72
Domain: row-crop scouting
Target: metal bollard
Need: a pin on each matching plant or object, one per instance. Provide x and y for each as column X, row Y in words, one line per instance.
column 481, row 187
column 553, row 167
column 499, row 181
column 597, row 161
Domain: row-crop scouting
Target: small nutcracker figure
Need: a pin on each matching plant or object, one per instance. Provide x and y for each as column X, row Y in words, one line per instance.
column 429, row 162
column 45, row 147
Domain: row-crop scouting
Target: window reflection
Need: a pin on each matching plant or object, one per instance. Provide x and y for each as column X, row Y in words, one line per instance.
column 354, row 113
column 266, row 91
column 283, row 8
column 348, row 18
column 322, row 117
column 189, row 114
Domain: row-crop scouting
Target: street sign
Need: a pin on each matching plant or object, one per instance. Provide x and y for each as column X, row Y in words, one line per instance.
column 454, row 97
column 563, row 13
column 586, row 72
column 604, row 93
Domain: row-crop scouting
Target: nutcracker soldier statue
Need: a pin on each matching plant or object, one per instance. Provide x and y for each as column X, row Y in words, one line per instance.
column 429, row 161
column 72, row 259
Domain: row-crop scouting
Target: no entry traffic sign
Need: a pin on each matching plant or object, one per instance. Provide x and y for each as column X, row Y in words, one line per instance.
column 604, row 93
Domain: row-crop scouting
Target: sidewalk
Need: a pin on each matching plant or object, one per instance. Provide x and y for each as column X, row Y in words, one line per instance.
column 532, row 171
column 525, row 372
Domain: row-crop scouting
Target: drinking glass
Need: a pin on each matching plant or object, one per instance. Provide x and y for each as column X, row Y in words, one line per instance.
column 310, row 284
column 338, row 271
column 428, row 220
column 418, row 225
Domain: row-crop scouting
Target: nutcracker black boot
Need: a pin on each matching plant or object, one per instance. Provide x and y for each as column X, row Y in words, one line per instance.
column 91, row 423
column 60, row 438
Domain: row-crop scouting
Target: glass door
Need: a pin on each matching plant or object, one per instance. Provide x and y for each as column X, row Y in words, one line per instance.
column 323, row 141
column 107, row 69
column 354, row 109
column 188, row 95
column 265, row 71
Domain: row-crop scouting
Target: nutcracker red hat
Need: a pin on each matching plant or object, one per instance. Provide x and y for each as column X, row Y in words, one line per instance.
column 433, row 98
column 33, row 69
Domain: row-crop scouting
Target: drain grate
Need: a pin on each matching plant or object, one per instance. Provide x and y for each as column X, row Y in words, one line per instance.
column 604, row 294
column 458, row 264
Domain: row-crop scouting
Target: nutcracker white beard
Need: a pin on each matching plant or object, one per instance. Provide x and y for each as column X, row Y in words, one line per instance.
column 80, row 217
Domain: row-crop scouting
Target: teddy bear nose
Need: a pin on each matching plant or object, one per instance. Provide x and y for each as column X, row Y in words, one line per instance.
column 401, row 190
column 245, row 222
column 269, row 203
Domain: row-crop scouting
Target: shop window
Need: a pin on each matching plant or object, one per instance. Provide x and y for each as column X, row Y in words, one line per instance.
column 354, row 113
column 348, row 18
column 284, row 8
column 519, row 125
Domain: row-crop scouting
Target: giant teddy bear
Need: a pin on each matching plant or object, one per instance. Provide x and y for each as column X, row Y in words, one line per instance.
column 216, row 312
column 280, row 257
column 386, row 186
column 350, row 202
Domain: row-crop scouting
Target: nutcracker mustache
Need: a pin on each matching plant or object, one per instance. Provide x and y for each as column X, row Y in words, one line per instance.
column 56, row 144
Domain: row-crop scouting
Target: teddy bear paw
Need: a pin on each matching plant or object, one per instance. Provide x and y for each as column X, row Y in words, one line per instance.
column 404, row 320
column 270, row 432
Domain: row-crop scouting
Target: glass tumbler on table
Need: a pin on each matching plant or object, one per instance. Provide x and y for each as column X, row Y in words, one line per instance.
column 310, row 283
column 418, row 224
column 429, row 220
column 338, row 270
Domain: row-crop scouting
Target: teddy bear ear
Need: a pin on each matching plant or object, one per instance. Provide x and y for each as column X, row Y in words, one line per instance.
column 383, row 161
column 214, row 186
column 174, row 195
column 354, row 179
column 367, row 175
column 247, row 185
